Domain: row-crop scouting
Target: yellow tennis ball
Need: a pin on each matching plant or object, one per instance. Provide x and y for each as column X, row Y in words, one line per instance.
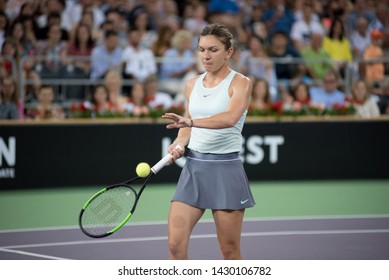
column 143, row 169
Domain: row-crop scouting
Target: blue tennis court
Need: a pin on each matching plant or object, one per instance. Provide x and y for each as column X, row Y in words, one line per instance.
column 306, row 220
column 332, row 238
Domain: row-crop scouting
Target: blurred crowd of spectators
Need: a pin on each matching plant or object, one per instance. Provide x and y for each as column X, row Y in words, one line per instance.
column 137, row 55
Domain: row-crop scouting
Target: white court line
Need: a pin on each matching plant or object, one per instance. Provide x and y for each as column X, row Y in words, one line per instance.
column 320, row 217
column 203, row 221
column 10, row 249
column 199, row 236
column 31, row 254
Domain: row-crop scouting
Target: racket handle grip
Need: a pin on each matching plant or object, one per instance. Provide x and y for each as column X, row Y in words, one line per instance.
column 162, row 163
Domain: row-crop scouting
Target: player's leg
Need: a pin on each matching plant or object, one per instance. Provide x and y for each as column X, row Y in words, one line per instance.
column 228, row 229
column 181, row 221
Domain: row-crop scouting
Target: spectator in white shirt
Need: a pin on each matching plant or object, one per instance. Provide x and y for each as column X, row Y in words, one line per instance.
column 138, row 62
column 360, row 38
column 303, row 29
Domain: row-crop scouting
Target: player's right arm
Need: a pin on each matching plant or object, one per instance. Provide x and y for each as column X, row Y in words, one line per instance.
column 183, row 135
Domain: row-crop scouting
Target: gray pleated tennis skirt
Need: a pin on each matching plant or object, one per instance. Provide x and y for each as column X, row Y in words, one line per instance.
column 212, row 181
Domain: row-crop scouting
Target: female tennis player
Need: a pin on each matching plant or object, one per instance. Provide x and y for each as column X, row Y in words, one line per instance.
column 213, row 177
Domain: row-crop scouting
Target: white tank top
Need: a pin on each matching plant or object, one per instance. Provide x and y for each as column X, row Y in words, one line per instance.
column 205, row 102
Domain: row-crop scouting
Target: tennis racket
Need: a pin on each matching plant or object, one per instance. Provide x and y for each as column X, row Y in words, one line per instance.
column 109, row 210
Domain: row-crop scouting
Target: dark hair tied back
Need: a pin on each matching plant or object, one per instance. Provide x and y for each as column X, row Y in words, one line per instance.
column 221, row 32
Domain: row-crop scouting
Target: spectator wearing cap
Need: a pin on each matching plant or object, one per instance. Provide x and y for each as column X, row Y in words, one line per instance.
column 374, row 70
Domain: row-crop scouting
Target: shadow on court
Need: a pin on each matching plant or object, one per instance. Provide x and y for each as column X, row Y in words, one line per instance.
column 351, row 238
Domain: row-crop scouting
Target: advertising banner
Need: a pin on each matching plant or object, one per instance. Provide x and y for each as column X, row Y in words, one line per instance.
column 52, row 155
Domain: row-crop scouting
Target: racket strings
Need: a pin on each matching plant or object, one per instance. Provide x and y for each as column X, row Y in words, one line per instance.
column 108, row 210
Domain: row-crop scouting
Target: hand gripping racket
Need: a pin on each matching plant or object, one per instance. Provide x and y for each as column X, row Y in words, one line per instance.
column 110, row 209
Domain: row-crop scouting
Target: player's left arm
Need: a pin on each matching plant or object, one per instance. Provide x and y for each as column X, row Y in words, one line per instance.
column 239, row 91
